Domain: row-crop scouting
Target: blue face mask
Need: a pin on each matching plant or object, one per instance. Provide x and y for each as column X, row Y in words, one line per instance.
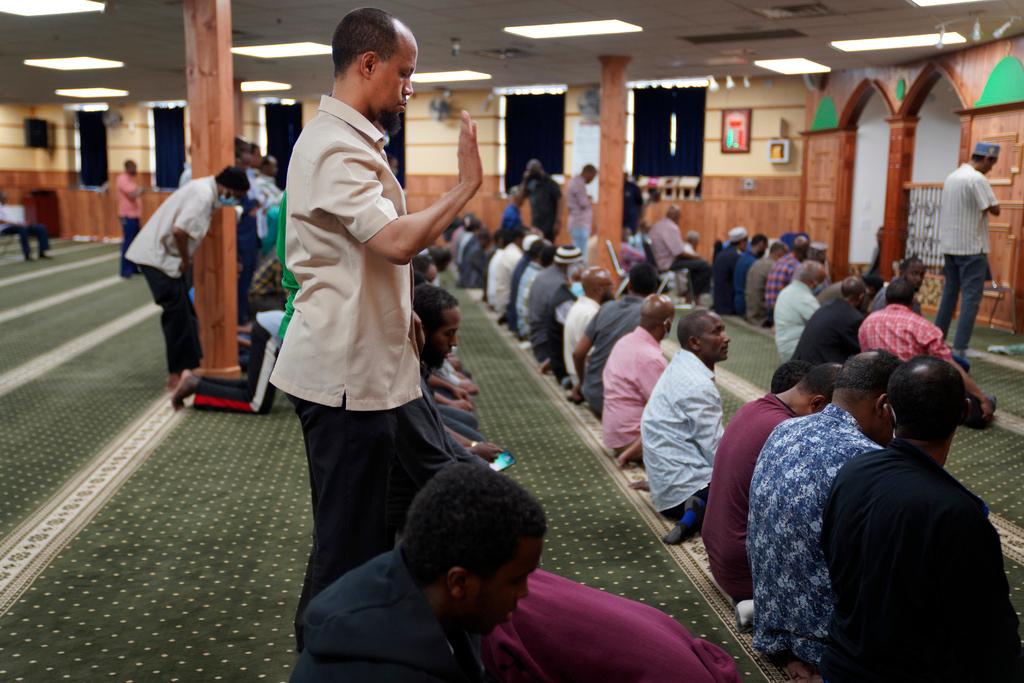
column 577, row 289
column 819, row 289
column 227, row 200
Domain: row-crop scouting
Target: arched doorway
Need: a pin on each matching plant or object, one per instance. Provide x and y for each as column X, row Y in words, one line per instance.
column 870, row 169
column 937, row 141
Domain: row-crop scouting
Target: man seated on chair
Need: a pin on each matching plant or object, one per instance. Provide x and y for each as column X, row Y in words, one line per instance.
column 596, row 283
column 416, row 613
column 905, row 334
column 671, row 253
column 682, row 424
column 792, row 595
column 614, row 320
column 633, row 368
column 725, row 524
column 12, row 225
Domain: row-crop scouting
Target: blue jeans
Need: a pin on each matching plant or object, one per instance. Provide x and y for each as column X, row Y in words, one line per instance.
column 967, row 273
column 23, row 232
column 130, row 227
column 581, row 238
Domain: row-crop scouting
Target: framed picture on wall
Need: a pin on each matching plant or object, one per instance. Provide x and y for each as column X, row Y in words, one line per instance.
column 735, row 131
column 778, row 151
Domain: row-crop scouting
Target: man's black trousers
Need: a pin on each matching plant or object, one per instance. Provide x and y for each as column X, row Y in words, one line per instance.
column 178, row 320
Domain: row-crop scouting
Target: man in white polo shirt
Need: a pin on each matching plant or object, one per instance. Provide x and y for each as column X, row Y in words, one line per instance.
column 967, row 201
column 163, row 251
column 350, row 358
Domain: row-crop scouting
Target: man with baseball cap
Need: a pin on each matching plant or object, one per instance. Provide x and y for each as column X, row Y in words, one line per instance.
column 724, row 270
column 967, row 201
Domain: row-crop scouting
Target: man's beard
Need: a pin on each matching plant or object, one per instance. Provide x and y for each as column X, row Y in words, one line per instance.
column 431, row 356
column 391, row 121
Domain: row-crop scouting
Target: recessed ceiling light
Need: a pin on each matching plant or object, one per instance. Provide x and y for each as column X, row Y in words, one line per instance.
column 574, row 28
column 898, row 42
column 90, row 92
column 449, row 76
column 74, row 63
column 283, row 50
column 936, row 3
column 37, row 8
column 797, row 65
column 261, row 86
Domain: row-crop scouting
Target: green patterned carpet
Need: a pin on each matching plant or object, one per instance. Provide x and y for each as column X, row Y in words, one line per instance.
column 192, row 570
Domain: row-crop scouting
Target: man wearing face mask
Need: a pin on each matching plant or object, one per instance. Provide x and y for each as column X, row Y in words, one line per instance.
column 350, row 361
column 164, row 249
column 551, row 297
column 594, row 288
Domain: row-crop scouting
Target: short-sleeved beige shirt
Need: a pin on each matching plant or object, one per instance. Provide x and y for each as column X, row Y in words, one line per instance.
column 350, row 338
column 189, row 208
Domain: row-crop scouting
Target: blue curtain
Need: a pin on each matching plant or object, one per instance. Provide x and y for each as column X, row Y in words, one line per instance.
column 169, row 133
column 652, row 122
column 92, row 136
column 284, row 123
column 396, row 148
column 534, row 129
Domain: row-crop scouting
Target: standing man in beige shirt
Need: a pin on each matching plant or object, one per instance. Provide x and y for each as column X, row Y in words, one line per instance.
column 350, row 359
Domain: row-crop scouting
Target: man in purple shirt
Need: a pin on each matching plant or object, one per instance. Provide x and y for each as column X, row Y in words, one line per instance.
column 671, row 253
column 633, row 368
column 725, row 521
column 581, row 210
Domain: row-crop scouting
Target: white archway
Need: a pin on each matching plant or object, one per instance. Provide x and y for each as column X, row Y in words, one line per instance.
column 870, row 169
column 937, row 140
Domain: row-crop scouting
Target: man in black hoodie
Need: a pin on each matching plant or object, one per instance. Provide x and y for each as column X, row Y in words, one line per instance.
column 415, row 614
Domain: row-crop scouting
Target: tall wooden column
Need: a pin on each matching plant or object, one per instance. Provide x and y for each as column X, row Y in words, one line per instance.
column 608, row 216
column 212, row 124
column 902, row 132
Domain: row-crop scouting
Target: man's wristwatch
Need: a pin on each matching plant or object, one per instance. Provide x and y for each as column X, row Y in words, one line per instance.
column 473, row 444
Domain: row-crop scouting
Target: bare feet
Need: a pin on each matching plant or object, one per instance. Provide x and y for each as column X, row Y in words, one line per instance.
column 803, row 672
column 627, row 457
column 187, row 386
column 641, row 485
column 172, row 381
column 545, row 367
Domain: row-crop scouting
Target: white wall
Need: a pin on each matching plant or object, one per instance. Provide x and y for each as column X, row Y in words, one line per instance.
column 937, row 143
column 870, row 168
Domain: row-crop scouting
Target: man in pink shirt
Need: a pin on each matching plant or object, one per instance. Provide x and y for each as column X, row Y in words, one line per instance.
column 633, row 368
column 581, row 209
column 671, row 253
column 129, row 211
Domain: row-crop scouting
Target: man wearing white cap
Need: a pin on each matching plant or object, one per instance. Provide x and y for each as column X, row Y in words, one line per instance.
column 724, row 270
column 550, row 301
column 967, row 200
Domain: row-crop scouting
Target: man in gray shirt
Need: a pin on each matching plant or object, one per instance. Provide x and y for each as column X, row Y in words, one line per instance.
column 614, row 320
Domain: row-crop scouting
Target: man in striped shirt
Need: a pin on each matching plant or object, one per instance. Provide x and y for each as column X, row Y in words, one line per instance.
column 967, row 200
column 782, row 272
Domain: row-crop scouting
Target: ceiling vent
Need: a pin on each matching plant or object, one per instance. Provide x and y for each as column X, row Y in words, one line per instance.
column 743, row 36
column 503, row 54
column 814, row 9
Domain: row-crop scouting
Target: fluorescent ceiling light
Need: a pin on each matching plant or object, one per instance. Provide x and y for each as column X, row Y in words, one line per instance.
column 261, row 86
column 936, row 3
column 796, row 65
column 670, row 83
column 36, row 8
column 449, row 76
column 74, row 63
column 898, row 42
column 91, row 106
column 553, row 89
column 283, row 50
column 90, row 92
column 574, row 28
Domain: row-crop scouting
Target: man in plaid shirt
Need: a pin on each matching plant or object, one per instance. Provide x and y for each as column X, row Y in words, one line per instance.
column 782, row 272
column 906, row 334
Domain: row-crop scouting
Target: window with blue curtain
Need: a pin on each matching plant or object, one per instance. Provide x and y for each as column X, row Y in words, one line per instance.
column 284, row 123
column 92, row 150
column 169, row 136
column 396, row 148
column 668, row 131
column 534, row 129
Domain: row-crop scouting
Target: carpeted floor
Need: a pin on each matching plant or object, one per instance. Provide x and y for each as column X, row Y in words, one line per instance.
column 192, row 568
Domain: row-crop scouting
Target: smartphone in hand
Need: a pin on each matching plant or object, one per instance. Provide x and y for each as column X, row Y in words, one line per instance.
column 503, row 461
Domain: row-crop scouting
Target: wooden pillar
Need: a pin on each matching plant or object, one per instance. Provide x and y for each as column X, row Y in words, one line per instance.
column 212, row 125
column 839, row 244
column 902, row 132
column 608, row 213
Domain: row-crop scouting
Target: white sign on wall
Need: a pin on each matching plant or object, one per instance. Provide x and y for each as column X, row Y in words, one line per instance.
column 586, row 149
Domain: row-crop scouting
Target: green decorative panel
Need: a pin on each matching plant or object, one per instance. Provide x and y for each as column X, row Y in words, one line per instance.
column 901, row 89
column 1005, row 83
column 825, row 117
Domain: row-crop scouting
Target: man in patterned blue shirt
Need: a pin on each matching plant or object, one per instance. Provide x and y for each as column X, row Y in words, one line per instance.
column 792, row 594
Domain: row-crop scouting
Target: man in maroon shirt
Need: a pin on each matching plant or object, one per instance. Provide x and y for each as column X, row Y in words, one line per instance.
column 725, row 521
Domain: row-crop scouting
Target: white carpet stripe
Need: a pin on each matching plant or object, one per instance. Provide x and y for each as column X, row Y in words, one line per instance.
column 42, row 304
column 46, row 272
column 26, row 372
column 32, row 546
